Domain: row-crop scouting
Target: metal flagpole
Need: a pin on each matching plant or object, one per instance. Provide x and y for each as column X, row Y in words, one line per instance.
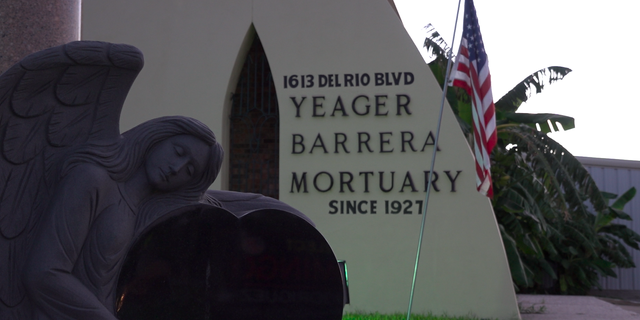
column 433, row 161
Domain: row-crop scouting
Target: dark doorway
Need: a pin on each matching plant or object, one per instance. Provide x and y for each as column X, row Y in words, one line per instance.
column 254, row 126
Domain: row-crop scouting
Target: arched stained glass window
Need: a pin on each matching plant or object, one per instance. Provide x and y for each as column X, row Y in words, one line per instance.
column 254, row 125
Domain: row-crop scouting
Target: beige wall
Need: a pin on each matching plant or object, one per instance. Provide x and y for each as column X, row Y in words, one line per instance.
column 193, row 53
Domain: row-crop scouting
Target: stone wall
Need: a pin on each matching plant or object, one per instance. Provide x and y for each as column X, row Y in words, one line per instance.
column 27, row 26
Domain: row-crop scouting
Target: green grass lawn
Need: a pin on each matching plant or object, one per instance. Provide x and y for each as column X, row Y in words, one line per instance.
column 398, row 316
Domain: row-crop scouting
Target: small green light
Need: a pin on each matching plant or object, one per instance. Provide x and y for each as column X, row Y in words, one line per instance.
column 345, row 280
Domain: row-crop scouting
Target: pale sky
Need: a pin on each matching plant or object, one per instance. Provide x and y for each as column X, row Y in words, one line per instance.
column 596, row 39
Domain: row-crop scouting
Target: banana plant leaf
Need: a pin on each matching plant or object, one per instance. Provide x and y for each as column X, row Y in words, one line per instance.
column 548, row 122
column 511, row 101
column 562, row 174
column 624, row 199
column 516, row 265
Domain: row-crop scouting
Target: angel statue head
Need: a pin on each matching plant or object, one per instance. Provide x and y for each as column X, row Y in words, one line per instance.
column 177, row 154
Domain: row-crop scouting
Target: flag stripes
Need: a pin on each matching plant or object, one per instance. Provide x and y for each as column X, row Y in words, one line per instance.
column 471, row 73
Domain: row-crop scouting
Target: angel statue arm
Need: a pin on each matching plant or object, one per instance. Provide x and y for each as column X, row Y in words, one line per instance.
column 49, row 275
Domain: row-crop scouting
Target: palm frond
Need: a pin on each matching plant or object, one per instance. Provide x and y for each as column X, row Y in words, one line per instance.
column 435, row 44
column 511, row 101
column 545, row 122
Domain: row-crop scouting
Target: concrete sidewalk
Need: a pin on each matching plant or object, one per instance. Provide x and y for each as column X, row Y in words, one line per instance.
column 548, row 307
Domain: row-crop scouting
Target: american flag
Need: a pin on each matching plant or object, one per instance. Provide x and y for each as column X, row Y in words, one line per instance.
column 471, row 72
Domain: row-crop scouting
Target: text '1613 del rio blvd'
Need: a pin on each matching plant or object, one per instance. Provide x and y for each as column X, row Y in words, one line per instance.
column 336, row 80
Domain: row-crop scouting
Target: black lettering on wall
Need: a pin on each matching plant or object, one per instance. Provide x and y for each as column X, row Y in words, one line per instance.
column 298, row 141
column 381, row 173
column 339, row 106
column 317, row 104
column 379, row 78
column 452, row 179
column 408, row 78
column 396, row 76
column 433, row 181
column 345, row 180
column 380, row 103
column 318, row 143
column 430, row 141
column 332, row 205
column 384, row 142
column 408, row 182
column 402, row 105
column 363, row 138
column 318, row 175
column 364, row 79
column 348, row 80
column 322, row 81
column 366, row 179
column 351, row 207
column 360, row 210
column 366, row 106
column 340, row 140
column 299, row 183
column 407, row 138
column 309, row 81
column 295, row 103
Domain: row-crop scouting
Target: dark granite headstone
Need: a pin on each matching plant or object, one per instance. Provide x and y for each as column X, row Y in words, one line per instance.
column 205, row 263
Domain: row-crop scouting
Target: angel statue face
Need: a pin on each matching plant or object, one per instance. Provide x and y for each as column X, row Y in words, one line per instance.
column 175, row 162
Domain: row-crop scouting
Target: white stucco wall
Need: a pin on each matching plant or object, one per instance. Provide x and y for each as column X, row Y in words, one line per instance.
column 193, row 54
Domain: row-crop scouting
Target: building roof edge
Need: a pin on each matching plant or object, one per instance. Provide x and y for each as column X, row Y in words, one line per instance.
column 613, row 163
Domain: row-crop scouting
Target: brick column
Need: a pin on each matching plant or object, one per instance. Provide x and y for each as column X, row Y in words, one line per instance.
column 27, row 26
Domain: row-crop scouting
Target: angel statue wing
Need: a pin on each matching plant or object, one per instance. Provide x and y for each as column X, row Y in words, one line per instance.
column 50, row 102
